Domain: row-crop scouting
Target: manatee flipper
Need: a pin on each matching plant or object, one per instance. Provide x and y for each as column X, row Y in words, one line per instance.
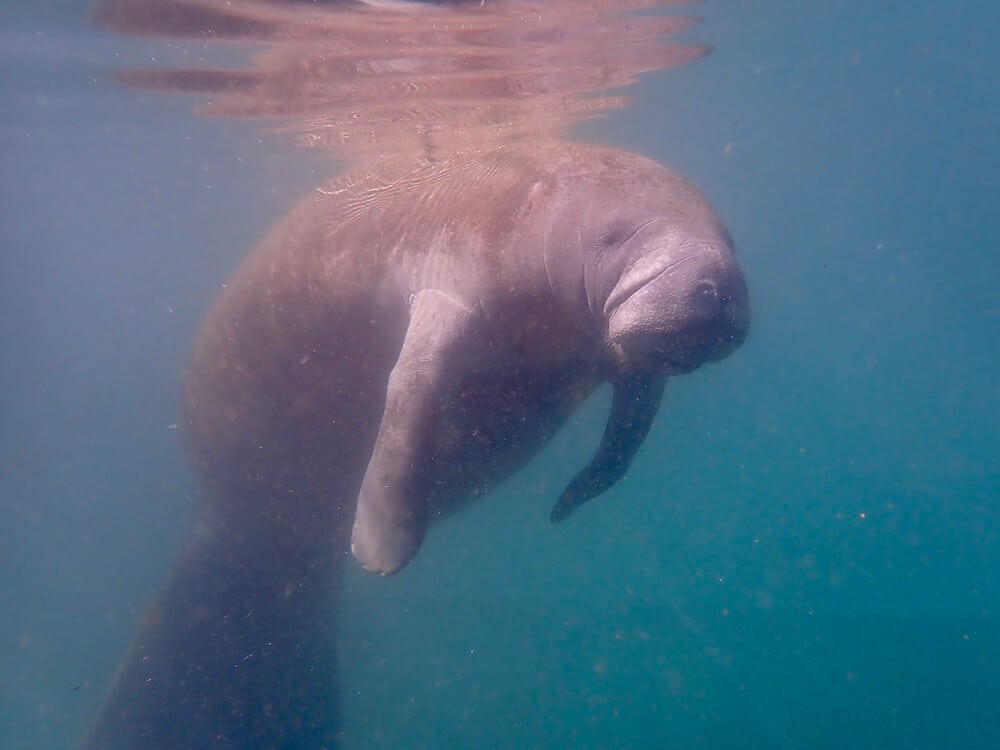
column 634, row 405
column 391, row 515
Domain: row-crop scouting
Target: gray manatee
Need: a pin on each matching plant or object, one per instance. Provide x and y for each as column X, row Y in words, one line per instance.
column 405, row 339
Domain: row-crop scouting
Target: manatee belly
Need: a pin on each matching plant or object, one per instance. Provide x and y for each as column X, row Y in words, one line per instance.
column 493, row 424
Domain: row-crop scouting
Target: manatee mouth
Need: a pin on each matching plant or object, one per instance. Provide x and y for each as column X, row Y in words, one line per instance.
column 634, row 352
column 622, row 293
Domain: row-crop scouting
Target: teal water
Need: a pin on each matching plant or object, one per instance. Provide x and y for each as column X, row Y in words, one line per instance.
column 804, row 553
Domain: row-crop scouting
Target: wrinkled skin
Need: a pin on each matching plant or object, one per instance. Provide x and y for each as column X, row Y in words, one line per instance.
column 407, row 338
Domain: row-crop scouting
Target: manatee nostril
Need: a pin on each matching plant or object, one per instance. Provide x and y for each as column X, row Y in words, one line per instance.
column 707, row 289
column 707, row 298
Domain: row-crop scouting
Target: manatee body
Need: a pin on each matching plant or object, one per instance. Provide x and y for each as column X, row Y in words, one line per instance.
column 405, row 339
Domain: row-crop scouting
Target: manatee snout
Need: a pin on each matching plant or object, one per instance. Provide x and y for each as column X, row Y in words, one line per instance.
column 724, row 320
column 686, row 309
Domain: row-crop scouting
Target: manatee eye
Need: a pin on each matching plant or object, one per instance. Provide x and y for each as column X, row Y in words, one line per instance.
column 612, row 235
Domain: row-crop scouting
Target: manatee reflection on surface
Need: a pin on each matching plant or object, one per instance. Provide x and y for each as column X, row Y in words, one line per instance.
column 396, row 78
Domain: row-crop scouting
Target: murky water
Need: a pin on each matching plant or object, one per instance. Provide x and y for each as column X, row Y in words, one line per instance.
column 804, row 552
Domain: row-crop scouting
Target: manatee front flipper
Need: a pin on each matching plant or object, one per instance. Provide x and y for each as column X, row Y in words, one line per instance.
column 391, row 516
column 634, row 405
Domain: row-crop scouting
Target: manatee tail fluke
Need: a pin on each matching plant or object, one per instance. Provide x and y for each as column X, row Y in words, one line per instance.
column 236, row 652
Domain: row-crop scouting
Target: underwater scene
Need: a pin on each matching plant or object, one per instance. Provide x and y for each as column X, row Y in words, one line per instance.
column 602, row 374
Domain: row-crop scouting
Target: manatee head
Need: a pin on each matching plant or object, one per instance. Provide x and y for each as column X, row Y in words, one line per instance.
column 662, row 282
column 677, row 303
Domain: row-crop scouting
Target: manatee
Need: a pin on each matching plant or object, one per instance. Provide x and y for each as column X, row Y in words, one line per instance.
column 404, row 340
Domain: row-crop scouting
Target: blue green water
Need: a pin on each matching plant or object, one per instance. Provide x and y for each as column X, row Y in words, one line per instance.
column 805, row 552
